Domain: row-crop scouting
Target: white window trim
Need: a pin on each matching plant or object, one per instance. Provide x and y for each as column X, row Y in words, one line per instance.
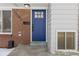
column 1, row 20
column 76, row 40
column 2, row 23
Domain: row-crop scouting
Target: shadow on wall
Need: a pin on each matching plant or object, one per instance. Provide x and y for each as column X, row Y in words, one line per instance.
column 49, row 28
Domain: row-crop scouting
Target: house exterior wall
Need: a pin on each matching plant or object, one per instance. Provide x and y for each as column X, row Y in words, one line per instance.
column 78, row 26
column 19, row 27
column 64, row 17
column 4, row 38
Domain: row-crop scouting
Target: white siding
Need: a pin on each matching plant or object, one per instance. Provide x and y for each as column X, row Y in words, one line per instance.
column 63, row 17
column 63, row 6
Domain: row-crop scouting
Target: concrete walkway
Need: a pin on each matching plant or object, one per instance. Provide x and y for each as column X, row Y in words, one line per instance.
column 24, row 50
column 37, row 50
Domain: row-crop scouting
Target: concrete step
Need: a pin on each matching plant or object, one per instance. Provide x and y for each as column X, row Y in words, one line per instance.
column 38, row 43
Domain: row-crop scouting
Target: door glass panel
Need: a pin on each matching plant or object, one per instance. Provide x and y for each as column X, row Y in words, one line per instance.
column 6, row 21
column 39, row 14
column 42, row 13
column 70, row 40
column 61, row 40
column 36, row 16
column 35, row 13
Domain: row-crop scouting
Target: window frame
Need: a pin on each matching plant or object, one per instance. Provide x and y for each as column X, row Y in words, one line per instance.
column 76, row 40
column 2, row 22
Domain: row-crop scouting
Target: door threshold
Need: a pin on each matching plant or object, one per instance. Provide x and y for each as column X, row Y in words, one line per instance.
column 38, row 43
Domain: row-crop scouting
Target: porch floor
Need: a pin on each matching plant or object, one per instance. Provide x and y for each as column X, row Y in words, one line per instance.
column 37, row 50
column 30, row 50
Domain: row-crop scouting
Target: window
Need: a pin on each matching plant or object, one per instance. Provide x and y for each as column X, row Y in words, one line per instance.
column 61, row 40
column 5, row 21
column 66, row 40
column 70, row 40
column 39, row 14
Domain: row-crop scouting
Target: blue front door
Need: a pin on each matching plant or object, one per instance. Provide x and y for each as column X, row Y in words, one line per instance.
column 38, row 25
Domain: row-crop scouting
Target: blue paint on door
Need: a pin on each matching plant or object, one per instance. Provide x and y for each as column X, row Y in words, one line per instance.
column 39, row 25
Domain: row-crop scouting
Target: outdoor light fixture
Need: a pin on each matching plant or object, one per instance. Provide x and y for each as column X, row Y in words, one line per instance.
column 27, row 5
